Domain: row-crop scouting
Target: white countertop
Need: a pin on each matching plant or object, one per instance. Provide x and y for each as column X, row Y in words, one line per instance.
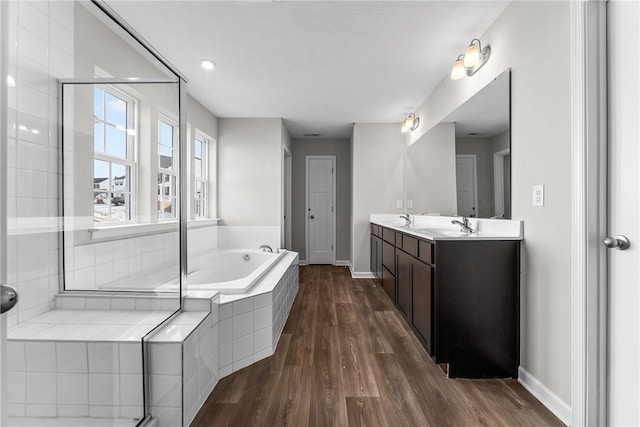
column 440, row 227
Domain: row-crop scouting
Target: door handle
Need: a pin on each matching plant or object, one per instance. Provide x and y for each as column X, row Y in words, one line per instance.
column 311, row 216
column 8, row 298
column 617, row 242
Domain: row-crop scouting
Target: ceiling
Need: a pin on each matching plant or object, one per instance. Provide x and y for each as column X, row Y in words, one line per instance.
column 319, row 65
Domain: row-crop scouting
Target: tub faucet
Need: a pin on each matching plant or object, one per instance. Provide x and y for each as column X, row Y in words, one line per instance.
column 266, row 248
column 464, row 225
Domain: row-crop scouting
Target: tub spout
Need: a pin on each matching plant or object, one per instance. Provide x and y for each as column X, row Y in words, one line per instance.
column 266, row 248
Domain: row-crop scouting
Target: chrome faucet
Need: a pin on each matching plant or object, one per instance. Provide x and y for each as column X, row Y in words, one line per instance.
column 406, row 217
column 266, row 248
column 464, row 225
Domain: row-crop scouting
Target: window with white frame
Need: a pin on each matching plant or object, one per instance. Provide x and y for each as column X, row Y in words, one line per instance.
column 200, row 176
column 113, row 155
column 167, row 168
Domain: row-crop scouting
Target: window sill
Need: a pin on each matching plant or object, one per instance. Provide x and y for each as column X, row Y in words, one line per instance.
column 135, row 230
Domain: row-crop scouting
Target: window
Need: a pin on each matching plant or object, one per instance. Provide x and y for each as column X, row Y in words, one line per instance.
column 167, row 168
column 113, row 155
column 201, row 176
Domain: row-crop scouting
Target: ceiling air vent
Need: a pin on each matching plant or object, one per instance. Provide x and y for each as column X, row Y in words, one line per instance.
column 311, row 134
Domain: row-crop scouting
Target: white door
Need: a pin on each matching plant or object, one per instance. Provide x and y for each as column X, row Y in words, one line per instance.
column 286, row 229
column 467, row 190
column 320, row 209
column 624, row 212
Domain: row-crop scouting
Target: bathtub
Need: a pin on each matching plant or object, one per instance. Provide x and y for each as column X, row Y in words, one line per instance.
column 230, row 271
column 233, row 271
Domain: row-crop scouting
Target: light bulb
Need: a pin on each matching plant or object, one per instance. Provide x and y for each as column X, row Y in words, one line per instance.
column 404, row 128
column 409, row 122
column 458, row 71
column 472, row 56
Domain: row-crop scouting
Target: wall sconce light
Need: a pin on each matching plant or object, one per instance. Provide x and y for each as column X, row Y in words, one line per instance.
column 473, row 59
column 411, row 123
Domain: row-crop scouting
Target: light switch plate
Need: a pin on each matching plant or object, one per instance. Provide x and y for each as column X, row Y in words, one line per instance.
column 399, row 204
column 538, row 195
column 409, row 204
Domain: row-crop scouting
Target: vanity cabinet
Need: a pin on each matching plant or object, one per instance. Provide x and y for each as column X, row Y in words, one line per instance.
column 461, row 299
column 376, row 251
column 414, row 281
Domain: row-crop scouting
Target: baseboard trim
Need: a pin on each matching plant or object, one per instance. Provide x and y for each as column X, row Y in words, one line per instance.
column 302, row 262
column 361, row 274
column 343, row 263
column 548, row 398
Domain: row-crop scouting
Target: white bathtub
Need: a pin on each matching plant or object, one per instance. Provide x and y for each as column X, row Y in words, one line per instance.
column 225, row 270
column 233, row 271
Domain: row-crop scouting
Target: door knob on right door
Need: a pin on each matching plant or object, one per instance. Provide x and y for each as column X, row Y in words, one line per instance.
column 617, row 242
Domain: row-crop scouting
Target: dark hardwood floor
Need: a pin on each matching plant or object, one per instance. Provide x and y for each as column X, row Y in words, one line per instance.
column 346, row 358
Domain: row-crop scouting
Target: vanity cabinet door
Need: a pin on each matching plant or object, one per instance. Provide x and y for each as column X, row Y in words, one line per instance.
column 422, row 300
column 389, row 284
column 376, row 257
column 404, row 281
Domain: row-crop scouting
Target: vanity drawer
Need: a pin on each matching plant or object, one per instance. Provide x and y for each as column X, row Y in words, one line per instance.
column 376, row 230
column 410, row 245
column 389, row 235
column 425, row 251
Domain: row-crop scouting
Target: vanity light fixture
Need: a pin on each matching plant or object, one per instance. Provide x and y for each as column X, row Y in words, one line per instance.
column 411, row 123
column 473, row 59
column 207, row 64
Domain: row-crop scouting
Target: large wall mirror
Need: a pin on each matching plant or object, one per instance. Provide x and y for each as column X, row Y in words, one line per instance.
column 462, row 166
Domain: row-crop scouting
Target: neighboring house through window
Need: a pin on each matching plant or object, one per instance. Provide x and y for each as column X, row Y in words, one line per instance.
column 113, row 158
column 201, row 176
column 167, row 168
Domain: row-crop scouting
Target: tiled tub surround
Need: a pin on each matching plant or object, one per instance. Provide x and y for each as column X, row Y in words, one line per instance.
column 79, row 363
column 215, row 336
column 83, row 359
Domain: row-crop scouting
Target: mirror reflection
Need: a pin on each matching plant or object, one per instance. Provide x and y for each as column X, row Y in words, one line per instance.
column 462, row 166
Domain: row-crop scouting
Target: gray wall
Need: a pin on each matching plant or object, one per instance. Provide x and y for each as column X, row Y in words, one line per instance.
column 341, row 149
column 541, row 154
column 250, row 171
column 378, row 182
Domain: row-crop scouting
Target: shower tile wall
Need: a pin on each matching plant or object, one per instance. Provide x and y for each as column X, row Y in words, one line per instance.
column 40, row 51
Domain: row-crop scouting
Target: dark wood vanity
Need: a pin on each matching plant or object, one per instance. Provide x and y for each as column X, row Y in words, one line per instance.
column 460, row 297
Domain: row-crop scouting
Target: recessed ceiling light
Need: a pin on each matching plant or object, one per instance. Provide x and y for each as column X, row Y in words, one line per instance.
column 208, row 64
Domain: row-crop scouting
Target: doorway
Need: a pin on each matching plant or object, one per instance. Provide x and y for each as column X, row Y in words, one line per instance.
column 286, row 200
column 467, row 184
column 320, row 209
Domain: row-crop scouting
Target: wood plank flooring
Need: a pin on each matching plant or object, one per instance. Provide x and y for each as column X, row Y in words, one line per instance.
column 346, row 358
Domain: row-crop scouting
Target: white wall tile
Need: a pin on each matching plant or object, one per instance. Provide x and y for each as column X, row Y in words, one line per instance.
column 165, row 359
column 225, row 330
column 262, row 317
column 41, row 388
column 15, row 356
column 242, row 306
column 16, row 409
column 41, row 357
column 104, row 389
column 104, row 358
column 73, row 389
column 130, row 358
column 243, row 363
column 73, row 411
column 131, row 390
column 262, row 339
column 242, row 325
column 166, row 390
column 225, row 310
column 225, row 354
column 104, row 411
column 17, row 387
column 41, row 410
column 191, row 394
column 71, row 357
column 168, row 417
column 242, row 348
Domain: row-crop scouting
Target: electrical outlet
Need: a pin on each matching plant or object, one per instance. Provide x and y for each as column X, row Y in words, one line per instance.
column 538, row 195
column 399, row 204
column 409, row 204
